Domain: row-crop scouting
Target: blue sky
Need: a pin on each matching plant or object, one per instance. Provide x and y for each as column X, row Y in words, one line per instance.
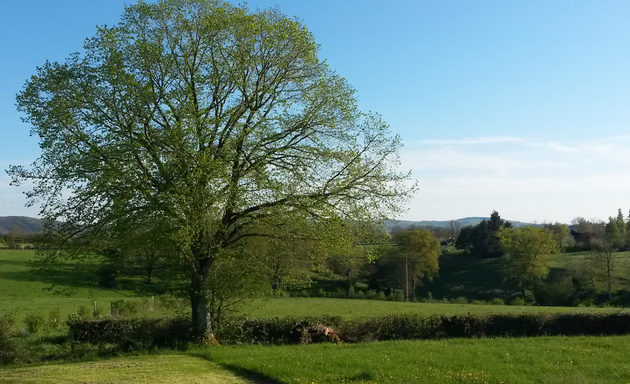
column 522, row 107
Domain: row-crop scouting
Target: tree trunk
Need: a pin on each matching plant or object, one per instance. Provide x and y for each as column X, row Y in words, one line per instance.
column 202, row 326
column 608, row 259
column 201, row 319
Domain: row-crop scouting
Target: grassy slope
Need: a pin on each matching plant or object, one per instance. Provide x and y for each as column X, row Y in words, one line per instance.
column 479, row 278
column 23, row 290
column 265, row 308
column 561, row 360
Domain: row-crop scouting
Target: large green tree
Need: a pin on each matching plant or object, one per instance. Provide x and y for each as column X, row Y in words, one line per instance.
column 213, row 119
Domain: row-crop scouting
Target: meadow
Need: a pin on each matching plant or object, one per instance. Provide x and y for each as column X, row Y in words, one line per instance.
column 572, row 360
column 24, row 291
column 521, row 360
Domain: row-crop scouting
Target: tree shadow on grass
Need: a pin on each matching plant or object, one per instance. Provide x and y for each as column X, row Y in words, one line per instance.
column 84, row 277
column 248, row 374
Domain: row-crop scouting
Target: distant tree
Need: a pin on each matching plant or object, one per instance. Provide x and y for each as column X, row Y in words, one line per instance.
column 561, row 231
column 607, row 243
column 465, row 239
column 454, row 228
column 485, row 240
column 581, row 225
column 527, row 254
column 420, row 251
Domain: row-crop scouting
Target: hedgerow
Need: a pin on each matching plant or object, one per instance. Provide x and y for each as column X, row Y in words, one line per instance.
column 135, row 334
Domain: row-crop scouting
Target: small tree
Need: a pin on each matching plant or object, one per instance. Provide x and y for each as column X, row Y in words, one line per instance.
column 527, row 254
column 561, row 231
column 608, row 242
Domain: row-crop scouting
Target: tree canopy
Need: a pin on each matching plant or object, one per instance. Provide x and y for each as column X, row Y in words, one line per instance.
column 527, row 251
column 214, row 121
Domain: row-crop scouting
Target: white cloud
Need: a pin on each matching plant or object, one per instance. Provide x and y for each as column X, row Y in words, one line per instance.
column 531, row 179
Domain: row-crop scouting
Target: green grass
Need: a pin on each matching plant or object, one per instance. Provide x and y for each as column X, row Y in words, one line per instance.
column 536, row 360
column 159, row 369
column 571, row 360
column 24, row 291
column 347, row 309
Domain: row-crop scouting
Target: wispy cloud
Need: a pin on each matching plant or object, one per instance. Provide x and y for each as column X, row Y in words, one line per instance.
column 475, row 141
column 532, row 178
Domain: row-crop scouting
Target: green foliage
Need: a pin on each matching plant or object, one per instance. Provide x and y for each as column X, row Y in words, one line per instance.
column 209, row 121
column 132, row 334
column 527, row 252
column 482, row 239
column 34, row 322
column 54, row 320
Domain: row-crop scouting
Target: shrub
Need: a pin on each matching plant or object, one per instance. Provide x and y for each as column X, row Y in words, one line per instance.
column 125, row 308
column 460, row 300
column 132, row 334
column 518, row 301
column 34, row 322
column 54, row 319
column 497, row 301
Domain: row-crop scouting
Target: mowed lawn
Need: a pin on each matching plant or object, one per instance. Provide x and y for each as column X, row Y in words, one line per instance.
column 158, row 369
column 571, row 360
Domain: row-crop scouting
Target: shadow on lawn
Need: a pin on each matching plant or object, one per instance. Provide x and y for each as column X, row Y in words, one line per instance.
column 248, row 374
column 85, row 277
column 253, row 376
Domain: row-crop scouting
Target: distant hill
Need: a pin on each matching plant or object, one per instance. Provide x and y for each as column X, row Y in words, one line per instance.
column 28, row 225
column 435, row 223
column 31, row 225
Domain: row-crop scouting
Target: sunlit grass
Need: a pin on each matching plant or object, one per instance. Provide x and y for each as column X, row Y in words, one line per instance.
column 266, row 308
column 159, row 369
column 534, row 360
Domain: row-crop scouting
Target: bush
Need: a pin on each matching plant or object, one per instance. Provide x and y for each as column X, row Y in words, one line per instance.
column 497, row 301
column 132, row 334
column 460, row 300
column 54, row 319
column 34, row 322
column 125, row 308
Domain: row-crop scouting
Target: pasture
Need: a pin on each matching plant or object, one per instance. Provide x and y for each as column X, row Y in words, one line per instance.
column 24, row 291
column 573, row 360
column 526, row 360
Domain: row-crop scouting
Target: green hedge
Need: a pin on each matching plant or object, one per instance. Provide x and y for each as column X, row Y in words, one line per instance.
column 132, row 334
column 147, row 333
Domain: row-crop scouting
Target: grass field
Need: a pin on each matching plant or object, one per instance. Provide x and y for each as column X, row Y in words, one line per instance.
column 347, row 309
column 536, row 360
column 24, row 291
column 560, row 360
column 158, row 369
